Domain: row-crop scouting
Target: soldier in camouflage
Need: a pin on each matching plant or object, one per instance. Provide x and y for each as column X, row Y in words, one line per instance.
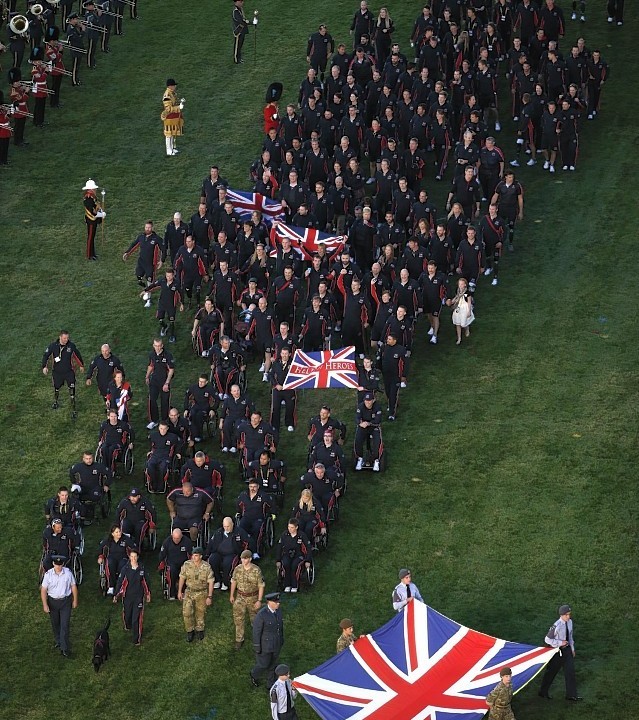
column 247, row 588
column 347, row 638
column 195, row 590
column 500, row 697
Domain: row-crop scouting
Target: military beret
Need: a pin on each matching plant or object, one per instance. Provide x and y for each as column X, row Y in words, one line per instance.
column 58, row 559
column 197, row 551
column 505, row 671
column 273, row 597
column 56, row 521
column 564, row 609
column 346, row 623
column 282, row 670
column 170, row 82
column 404, row 572
column 246, row 554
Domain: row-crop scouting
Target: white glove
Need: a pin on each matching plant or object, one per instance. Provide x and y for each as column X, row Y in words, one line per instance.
column 181, row 106
column 101, row 214
column 75, row 488
column 520, row 141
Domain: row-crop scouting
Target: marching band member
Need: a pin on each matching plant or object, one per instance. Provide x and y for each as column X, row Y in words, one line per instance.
column 172, row 116
column 36, row 28
column 17, row 43
column 53, row 51
column 240, row 30
column 91, row 18
column 106, row 21
column 19, row 98
column 39, row 85
column 118, row 8
column 93, row 215
column 5, row 131
column 75, row 38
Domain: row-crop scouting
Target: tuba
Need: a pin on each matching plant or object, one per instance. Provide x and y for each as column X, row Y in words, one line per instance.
column 37, row 10
column 19, row 25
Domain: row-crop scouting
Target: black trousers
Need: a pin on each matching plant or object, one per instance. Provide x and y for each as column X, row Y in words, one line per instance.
column 18, row 131
column 91, row 230
column 290, row 398
column 133, row 615
column 60, row 616
column 38, row 111
column 156, row 393
column 75, row 78
column 561, row 659
column 4, row 150
column 265, row 663
column 55, row 86
column 391, row 387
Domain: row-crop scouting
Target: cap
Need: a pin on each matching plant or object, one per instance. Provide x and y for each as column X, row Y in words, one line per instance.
column 564, row 609
column 72, row 16
column 170, row 81
column 369, row 396
column 346, row 623
column 134, row 491
column 505, row 671
column 404, row 572
column 56, row 521
column 58, row 559
column 246, row 554
column 253, row 280
column 391, row 140
column 197, row 551
column 273, row 597
column 282, row 670
column 90, row 185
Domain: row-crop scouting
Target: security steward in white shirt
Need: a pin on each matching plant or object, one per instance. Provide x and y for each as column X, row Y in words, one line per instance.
column 59, row 595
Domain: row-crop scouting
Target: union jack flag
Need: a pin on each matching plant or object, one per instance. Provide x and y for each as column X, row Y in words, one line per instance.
column 419, row 666
column 306, row 240
column 324, row 369
column 244, row 203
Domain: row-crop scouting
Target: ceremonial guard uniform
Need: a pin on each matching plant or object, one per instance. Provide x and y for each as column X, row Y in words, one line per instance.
column 93, row 215
column 39, row 79
column 171, row 117
column 247, row 586
column 197, row 576
column 240, row 30
column 53, row 52
column 5, row 132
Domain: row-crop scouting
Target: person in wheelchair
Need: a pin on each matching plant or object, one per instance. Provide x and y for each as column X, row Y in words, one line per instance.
column 319, row 424
column 164, row 446
column 115, row 435
column 188, row 507
column 310, row 515
column 326, row 487
column 200, row 404
column 236, row 408
column 329, row 454
column 368, row 431
column 91, row 480
column 255, row 436
column 113, row 555
column 250, row 298
column 204, row 474
column 57, row 540
column 226, row 363
column 136, row 515
column 316, row 327
column 208, row 325
column 293, row 551
column 174, row 552
column 253, row 505
column 64, row 506
column 223, row 551
column 270, row 474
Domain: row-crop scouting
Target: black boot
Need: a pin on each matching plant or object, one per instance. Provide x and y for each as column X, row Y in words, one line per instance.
column 190, row 636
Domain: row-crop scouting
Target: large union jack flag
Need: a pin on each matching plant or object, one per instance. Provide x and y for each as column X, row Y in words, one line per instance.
column 419, row 666
column 306, row 240
column 324, row 369
column 245, row 202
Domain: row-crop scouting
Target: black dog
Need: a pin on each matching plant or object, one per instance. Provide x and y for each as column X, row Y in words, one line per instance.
column 101, row 649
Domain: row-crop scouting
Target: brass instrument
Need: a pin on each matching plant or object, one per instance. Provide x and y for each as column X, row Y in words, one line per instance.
column 91, row 26
column 129, row 2
column 37, row 10
column 19, row 25
column 59, row 71
column 11, row 107
column 30, row 85
column 54, row 3
column 112, row 14
column 67, row 44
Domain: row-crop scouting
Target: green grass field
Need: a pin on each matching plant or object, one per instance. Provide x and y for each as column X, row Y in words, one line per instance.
column 511, row 486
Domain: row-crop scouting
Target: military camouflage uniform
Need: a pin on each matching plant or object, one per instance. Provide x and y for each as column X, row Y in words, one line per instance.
column 248, row 582
column 499, row 700
column 197, row 590
column 344, row 641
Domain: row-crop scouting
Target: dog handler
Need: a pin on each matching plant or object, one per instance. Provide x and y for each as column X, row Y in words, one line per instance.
column 59, row 595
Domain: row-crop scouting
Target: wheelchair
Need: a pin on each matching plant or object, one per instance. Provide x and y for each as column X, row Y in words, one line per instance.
column 266, row 538
column 104, row 584
column 306, row 576
column 171, row 477
column 74, row 563
column 126, row 459
column 368, row 457
column 104, row 507
column 202, row 532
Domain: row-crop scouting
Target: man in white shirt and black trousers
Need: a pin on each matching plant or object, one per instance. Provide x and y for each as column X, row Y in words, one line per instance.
column 560, row 635
column 283, row 695
column 405, row 591
column 59, row 595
